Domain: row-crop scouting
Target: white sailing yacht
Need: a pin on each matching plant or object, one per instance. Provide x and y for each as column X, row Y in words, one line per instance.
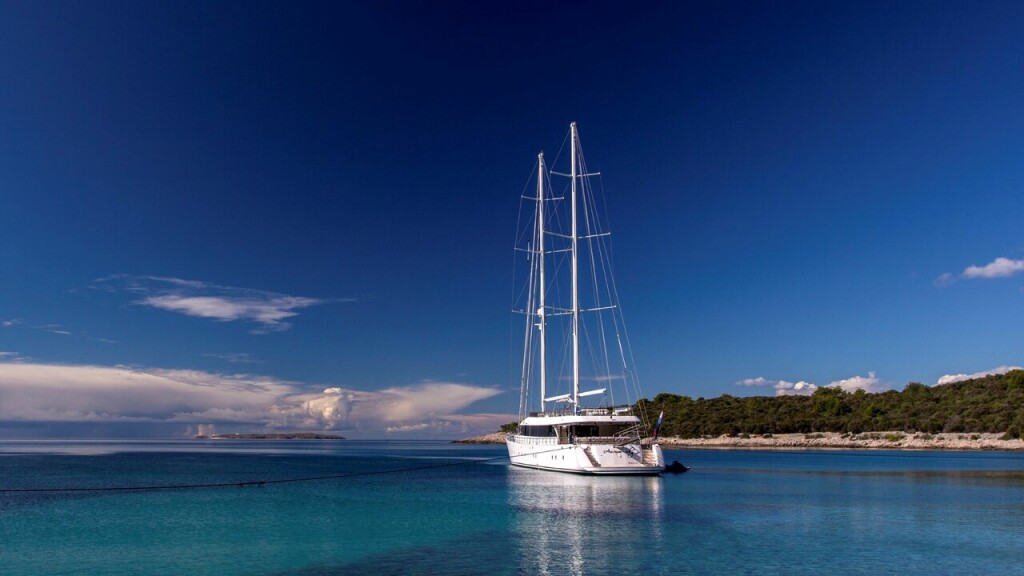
column 557, row 429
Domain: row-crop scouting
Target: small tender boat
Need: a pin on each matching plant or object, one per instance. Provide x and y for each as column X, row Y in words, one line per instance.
column 676, row 467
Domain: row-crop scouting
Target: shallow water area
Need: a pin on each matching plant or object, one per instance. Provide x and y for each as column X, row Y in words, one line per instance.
column 432, row 507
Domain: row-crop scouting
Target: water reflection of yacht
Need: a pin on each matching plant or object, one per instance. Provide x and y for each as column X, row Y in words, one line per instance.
column 567, row 521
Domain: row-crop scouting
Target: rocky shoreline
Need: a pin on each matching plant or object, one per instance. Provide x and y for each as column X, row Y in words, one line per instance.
column 827, row 440
column 492, row 438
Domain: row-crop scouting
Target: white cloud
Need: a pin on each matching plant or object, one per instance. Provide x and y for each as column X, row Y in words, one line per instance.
column 782, row 387
column 950, row 378
column 268, row 311
column 998, row 268
column 59, row 393
column 55, row 329
column 801, row 388
column 870, row 383
column 9, row 323
column 205, row 300
column 50, row 392
column 339, row 408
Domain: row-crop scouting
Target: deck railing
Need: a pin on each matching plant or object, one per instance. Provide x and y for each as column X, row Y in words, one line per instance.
column 605, row 439
column 537, row 440
column 600, row 411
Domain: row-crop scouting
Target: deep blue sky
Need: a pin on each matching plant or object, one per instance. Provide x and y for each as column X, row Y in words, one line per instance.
column 798, row 191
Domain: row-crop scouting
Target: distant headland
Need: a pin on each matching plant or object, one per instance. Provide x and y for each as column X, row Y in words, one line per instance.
column 272, row 436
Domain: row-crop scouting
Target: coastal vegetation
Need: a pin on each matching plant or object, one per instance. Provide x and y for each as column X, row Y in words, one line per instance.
column 993, row 404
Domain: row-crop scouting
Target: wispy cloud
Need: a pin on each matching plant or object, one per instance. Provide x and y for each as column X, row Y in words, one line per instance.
column 9, row 323
column 951, row 378
column 235, row 357
column 55, row 329
column 869, row 383
column 268, row 310
column 32, row 392
column 999, row 268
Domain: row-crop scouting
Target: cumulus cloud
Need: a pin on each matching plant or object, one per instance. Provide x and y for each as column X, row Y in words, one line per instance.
column 869, row 383
column 398, row 407
column 61, row 393
column 951, row 378
column 268, row 310
column 999, row 268
column 782, row 387
column 801, row 388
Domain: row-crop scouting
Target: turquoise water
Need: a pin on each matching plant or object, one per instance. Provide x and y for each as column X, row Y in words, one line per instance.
column 735, row 512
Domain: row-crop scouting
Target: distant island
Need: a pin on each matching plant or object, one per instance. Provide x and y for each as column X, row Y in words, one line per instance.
column 272, row 436
column 979, row 414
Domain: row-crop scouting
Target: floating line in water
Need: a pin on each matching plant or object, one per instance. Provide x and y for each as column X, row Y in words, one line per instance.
column 259, row 483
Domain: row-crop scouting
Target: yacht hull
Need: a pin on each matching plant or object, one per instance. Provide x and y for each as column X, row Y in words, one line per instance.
column 599, row 459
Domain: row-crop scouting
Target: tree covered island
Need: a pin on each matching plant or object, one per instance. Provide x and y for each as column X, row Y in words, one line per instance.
column 993, row 404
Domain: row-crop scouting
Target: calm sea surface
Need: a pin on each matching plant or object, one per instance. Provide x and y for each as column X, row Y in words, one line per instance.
column 434, row 508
